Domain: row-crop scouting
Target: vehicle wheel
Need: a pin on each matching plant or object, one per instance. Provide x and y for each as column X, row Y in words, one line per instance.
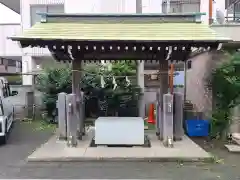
column 3, row 139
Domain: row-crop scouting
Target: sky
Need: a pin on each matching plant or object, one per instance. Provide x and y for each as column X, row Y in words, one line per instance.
column 8, row 16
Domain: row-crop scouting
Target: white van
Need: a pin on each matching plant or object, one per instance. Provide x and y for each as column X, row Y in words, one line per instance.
column 6, row 109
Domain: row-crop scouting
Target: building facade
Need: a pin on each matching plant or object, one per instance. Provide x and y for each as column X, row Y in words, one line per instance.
column 10, row 52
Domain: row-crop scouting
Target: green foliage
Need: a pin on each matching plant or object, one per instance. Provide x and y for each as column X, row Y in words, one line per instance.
column 112, row 102
column 56, row 80
column 220, row 121
column 52, row 82
column 225, row 85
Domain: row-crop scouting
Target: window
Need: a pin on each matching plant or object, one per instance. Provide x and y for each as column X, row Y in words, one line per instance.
column 51, row 8
column 181, row 6
column 11, row 62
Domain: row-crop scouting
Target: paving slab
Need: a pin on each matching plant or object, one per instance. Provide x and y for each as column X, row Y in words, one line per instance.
column 57, row 151
column 233, row 148
column 236, row 138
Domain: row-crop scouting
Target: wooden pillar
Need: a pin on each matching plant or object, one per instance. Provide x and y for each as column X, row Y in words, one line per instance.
column 163, row 77
column 140, row 79
column 140, row 72
column 171, row 85
column 185, row 81
column 76, row 78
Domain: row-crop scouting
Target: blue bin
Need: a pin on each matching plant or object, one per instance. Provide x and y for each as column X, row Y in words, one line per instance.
column 197, row 128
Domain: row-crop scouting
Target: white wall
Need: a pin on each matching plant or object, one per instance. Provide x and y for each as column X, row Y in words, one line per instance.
column 26, row 22
column 28, row 63
column 7, row 46
column 100, row 6
column 152, row 6
column 12, row 16
column 204, row 8
column 218, row 5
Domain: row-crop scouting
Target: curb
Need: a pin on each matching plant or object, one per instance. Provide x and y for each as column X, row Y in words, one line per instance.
column 120, row 159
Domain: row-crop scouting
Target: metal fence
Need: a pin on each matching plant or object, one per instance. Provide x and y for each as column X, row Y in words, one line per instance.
column 233, row 11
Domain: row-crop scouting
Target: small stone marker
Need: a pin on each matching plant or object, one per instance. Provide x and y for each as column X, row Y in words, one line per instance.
column 168, row 119
column 72, row 120
column 62, row 116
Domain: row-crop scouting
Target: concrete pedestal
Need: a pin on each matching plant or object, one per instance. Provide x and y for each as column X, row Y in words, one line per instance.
column 119, row 131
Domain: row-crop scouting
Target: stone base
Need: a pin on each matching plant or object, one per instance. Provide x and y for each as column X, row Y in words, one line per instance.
column 55, row 150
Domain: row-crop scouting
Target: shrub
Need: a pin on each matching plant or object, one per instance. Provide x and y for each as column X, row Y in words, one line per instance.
column 98, row 100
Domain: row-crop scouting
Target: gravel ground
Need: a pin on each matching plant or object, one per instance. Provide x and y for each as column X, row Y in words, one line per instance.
column 25, row 138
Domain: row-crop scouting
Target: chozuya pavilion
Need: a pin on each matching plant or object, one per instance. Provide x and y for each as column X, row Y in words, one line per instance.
column 138, row 37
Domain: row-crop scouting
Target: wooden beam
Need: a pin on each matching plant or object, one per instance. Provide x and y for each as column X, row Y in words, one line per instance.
column 76, row 89
column 171, row 75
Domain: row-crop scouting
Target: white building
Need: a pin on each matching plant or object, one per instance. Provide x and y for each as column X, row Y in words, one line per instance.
column 10, row 52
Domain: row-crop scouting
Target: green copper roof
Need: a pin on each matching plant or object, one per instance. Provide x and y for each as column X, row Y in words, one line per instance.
column 104, row 31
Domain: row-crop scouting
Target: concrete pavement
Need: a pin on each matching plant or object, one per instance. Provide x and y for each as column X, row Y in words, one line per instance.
column 24, row 139
column 55, row 150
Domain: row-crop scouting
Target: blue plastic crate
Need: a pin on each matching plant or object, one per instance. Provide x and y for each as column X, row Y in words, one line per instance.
column 197, row 128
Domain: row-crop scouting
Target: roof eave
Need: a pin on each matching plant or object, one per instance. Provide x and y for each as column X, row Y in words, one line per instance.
column 123, row 15
column 114, row 40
